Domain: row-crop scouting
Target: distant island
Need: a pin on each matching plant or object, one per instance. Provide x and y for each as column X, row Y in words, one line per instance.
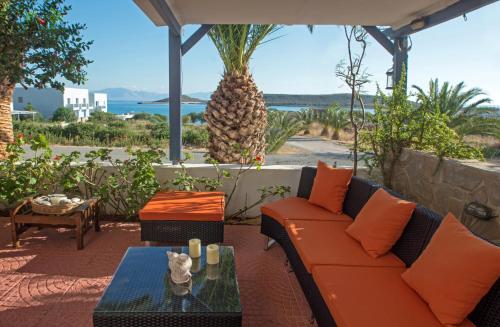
column 314, row 100
column 184, row 99
column 291, row 100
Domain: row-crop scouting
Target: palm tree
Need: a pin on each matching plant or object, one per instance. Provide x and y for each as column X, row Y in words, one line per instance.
column 236, row 114
column 464, row 107
column 281, row 126
column 337, row 119
column 307, row 117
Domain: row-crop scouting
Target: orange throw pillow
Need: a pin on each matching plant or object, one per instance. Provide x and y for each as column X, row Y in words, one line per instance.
column 329, row 187
column 381, row 222
column 454, row 272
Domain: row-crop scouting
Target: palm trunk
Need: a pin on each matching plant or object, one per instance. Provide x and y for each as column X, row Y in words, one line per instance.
column 336, row 134
column 6, row 131
column 237, row 118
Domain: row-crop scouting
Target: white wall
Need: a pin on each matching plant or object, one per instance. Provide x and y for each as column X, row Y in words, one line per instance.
column 45, row 101
column 99, row 101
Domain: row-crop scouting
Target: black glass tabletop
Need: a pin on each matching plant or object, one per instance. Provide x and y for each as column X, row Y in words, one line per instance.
column 142, row 283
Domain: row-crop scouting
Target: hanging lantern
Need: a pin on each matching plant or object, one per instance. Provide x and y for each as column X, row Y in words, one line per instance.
column 390, row 79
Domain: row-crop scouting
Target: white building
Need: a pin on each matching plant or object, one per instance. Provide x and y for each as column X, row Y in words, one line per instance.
column 46, row 101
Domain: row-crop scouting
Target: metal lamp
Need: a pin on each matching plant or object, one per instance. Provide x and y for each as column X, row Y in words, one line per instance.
column 390, row 79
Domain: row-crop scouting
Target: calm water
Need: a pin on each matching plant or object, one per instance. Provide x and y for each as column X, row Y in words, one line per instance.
column 123, row 107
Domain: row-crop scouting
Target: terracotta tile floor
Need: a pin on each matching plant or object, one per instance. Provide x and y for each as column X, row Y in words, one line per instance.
column 47, row 282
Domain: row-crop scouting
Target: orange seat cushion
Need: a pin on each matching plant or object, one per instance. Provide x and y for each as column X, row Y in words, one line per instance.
column 326, row 243
column 372, row 296
column 329, row 187
column 299, row 208
column 381, row 222
column 193, row 206
column 454, row 272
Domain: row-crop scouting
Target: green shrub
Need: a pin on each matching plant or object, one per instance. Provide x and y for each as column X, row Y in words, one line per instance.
column 102, row 117
column 195, row 136
column 159, row 131
column 64, row 114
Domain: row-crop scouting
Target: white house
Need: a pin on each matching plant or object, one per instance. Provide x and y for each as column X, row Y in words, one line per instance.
column 46, row 101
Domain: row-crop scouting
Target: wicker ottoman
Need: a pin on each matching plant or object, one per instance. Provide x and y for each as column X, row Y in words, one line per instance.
column 175, row 217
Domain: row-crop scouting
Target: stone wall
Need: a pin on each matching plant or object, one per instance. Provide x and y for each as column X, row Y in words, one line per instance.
column 448, row 185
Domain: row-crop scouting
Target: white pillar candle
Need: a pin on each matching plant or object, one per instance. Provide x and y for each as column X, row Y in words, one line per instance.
column 212, row 254
column 195, row 248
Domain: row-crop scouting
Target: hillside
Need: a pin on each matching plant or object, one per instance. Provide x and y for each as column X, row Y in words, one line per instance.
column 313, row 100
column 184, row 99
column 123, row 94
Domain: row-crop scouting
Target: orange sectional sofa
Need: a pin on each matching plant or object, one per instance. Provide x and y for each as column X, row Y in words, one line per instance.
column 343, row 284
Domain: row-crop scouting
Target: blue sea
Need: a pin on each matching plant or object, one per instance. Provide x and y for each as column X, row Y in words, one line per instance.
column 124, row 107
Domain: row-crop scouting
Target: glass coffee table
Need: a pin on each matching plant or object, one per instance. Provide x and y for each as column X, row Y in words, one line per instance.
column 142, row 293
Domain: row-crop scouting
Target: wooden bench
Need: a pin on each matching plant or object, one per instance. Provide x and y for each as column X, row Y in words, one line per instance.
column 22, row 218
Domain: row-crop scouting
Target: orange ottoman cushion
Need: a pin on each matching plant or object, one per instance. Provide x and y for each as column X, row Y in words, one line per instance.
column 189, row 206
column 454, row 272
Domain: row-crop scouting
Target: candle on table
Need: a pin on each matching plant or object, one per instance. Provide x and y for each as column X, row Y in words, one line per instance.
column 212, row 254
column 195, row 248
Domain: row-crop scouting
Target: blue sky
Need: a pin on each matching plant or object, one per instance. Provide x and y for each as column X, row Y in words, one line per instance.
column 129, row 51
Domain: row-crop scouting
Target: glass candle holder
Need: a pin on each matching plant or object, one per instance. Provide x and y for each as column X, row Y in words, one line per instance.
column 212, row 254
column 195, row 248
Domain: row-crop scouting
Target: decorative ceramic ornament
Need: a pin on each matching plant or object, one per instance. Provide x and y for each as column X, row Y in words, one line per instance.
column 179, row 265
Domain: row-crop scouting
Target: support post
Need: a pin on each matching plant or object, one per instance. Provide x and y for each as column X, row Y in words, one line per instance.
column 174, row 96
column 400, row 59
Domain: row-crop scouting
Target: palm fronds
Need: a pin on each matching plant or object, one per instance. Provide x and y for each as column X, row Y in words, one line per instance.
column 237, row 43
column 464, row 107
column 281, row 126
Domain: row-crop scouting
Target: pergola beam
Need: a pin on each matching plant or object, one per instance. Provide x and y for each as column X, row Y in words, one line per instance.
column 174, row 95
column 457, row 9
column 380, row 37
column 167, row 15
column 195, row 37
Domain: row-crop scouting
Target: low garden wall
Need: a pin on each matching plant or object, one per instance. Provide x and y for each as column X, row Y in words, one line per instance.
column 249, row 184
column 448, row 185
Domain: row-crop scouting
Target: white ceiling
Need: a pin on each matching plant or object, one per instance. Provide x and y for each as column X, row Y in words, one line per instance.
column 394, row 13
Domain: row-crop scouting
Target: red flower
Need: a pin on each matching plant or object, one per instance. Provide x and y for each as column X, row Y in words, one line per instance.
column 57, row 158
column 20, row 136
column 41, row 21
column 258, row 158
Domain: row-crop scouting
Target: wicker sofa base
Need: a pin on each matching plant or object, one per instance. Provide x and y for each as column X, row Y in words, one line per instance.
column 161, row 320
column 180, row 231
column 276, row 231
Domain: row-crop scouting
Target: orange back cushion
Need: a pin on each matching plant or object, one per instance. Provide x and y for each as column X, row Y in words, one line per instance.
column 330, row 186
column 381, row 222
column 454, row 272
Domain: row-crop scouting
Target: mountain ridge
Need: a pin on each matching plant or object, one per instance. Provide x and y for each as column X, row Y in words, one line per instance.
column 272, row 99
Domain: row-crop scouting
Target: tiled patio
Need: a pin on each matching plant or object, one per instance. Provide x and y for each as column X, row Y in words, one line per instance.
column 47, row 282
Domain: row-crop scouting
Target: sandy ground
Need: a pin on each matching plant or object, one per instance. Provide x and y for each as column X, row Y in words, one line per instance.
column 299, row 150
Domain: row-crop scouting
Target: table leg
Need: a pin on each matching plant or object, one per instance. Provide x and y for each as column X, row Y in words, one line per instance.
column 97, row 227
column 79, row 233
column 15, row 240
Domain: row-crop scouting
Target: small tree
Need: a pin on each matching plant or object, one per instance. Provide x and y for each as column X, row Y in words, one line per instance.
column 355, row 77
column 64, row 114
column 37, row 48
column 29, row 107
column 397, row 124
